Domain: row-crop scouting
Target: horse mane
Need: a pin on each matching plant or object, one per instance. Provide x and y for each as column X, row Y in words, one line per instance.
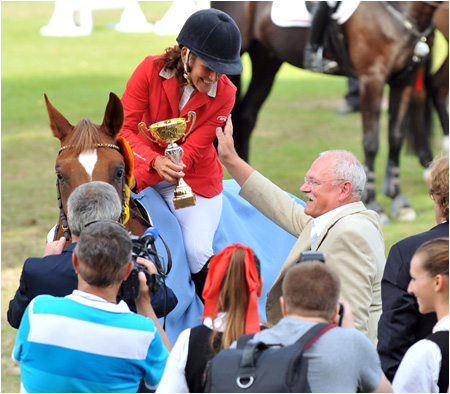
column 85, row 136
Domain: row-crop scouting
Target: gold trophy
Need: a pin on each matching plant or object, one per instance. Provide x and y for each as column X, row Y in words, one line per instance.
column 170, row 131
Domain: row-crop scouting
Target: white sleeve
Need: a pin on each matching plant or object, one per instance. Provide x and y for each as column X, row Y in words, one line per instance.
column 419, row 369
column 174, row 377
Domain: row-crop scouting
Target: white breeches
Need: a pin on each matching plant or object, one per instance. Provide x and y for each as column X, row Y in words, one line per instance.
column 198, row 224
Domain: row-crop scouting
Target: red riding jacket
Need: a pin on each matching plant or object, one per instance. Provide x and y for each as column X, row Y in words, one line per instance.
column 152, row 95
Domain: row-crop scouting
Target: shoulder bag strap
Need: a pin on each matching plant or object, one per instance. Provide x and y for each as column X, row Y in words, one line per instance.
column 314, row 333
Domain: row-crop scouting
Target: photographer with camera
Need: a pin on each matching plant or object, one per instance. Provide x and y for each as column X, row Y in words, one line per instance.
column 338, row 359
column 57, row 335
column 140, row 252
column 53, row 274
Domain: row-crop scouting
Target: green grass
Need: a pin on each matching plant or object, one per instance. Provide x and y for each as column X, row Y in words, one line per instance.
column 296, row 123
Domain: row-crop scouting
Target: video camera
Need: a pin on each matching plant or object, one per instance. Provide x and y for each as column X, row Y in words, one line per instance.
column 142, row 247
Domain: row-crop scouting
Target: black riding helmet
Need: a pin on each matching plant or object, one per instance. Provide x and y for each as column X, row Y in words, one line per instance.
column 215, row 38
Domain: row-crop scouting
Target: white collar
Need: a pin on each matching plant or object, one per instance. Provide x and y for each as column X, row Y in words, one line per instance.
column 97, row 302
column 218, row 323
column 186, row 92
column 320, row 222
column 442, row 325
column 165, row 73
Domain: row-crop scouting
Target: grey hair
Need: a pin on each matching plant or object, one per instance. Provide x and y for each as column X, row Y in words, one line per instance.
column 92, row 201
column 348, row 168
column 103, row 251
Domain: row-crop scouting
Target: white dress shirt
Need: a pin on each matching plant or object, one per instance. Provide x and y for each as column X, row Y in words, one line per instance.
column 320, row 223
column 419, row 369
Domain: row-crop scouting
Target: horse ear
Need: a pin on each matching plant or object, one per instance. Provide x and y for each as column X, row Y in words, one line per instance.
column 113, row 120
column 58, row 123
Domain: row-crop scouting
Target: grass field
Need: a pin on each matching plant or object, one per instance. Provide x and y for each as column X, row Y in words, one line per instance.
column 296, row 123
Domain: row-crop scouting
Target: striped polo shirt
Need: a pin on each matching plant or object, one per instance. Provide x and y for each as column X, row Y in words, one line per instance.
column 82, row 343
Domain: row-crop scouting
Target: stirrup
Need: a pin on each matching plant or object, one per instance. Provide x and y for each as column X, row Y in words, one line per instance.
column 317, row 63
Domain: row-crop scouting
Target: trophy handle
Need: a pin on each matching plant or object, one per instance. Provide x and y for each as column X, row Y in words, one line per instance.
column 194, row 115
column 143, row 128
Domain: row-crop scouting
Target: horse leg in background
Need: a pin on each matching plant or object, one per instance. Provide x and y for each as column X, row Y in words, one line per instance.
column 439, row 94
column 257, row 92
column 417, row 125
column 399, row 100
column 371, row 91
column 440, row 81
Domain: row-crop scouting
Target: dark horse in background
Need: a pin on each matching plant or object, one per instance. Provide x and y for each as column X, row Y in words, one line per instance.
column 379, row 41
column 431, row 92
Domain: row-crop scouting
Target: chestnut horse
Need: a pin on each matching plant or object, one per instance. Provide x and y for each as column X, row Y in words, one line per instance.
column 91, row 152
column 380, row 38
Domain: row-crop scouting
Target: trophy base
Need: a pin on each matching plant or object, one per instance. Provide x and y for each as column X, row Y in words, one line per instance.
column 183, row 195
column 184, row 202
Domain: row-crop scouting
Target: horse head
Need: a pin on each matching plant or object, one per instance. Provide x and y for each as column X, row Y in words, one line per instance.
column 89, row 152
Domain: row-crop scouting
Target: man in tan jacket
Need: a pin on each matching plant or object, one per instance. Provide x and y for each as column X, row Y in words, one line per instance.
column 334, row 222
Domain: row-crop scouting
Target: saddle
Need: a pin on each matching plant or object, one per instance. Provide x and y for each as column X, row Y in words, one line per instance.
column 298, row 14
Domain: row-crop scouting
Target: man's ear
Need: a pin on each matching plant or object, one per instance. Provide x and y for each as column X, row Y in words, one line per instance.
column 346, row 190
column 283, row 306
column 75, row 263
column 128, row 271
column 335, row 317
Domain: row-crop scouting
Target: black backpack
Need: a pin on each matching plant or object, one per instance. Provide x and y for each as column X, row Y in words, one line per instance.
column 254, row 367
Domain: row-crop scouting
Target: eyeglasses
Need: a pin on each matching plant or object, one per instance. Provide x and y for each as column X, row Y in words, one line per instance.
column 313, row 183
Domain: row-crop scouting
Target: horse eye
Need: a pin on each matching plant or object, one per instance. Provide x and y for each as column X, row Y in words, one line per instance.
column 60, row 177
column 120, row 173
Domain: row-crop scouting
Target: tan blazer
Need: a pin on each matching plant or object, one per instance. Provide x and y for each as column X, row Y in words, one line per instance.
column 352, row 243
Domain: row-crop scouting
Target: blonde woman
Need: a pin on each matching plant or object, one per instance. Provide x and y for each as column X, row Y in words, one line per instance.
column 424, row 368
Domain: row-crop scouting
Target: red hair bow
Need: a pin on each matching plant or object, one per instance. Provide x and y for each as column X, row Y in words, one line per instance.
column 217, row 268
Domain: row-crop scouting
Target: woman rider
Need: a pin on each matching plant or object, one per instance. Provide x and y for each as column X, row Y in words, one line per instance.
column 189, row 77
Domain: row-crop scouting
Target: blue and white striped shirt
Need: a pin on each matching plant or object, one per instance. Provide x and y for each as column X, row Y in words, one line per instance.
column 82, row 343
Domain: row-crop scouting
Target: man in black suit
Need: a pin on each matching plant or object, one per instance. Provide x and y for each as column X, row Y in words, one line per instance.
column 401, row 324
column 54, row 273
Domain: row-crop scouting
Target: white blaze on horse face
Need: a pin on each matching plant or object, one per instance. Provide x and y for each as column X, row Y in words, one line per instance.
column 88, row 159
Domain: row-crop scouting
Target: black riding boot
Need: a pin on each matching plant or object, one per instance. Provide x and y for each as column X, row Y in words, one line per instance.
column 199, row 280
column 313, row 57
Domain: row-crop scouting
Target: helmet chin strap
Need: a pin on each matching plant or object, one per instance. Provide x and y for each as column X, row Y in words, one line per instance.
column 186, row 66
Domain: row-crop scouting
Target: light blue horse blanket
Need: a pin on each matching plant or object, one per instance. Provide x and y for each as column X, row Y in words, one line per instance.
column 240, row 222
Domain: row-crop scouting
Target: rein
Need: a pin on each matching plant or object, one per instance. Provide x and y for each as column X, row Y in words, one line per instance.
column 436, row 4
column 409, row 25
column 62, row 214
column 421, row 48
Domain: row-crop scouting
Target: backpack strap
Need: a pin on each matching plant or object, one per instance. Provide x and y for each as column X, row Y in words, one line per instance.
column 314, row 333
column 243, row 339
column 307, row 339
column 440, row 338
